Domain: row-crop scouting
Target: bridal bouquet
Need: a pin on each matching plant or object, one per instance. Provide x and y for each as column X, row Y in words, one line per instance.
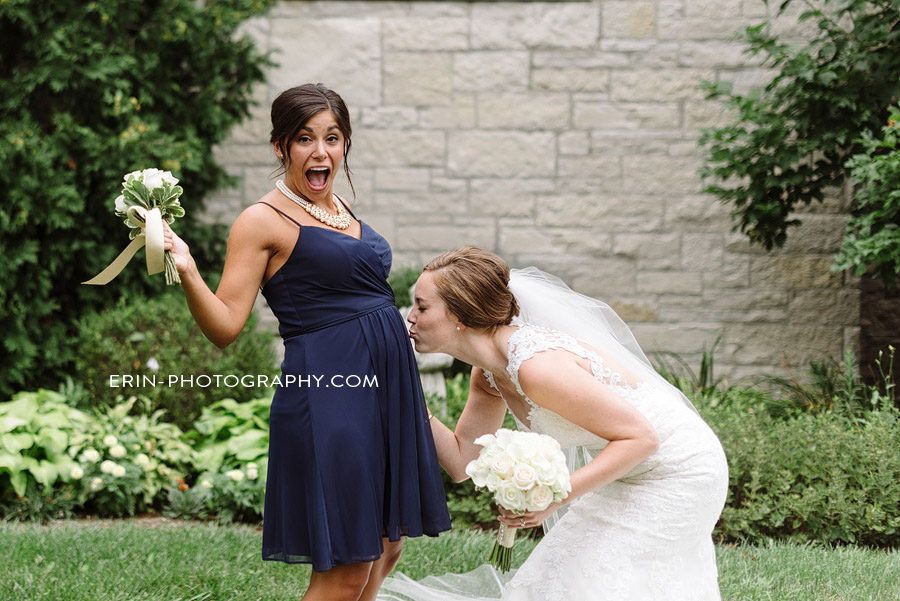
column 148, row 196
column 526, row 471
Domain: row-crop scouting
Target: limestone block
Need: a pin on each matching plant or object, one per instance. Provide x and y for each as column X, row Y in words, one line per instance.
column 759, row 305
column 793, row 272
column 652, row 85
column 816, row 234
column 418, row 78
column 626, row 115
column 625, row 142
column 629, row 19
column 708, row 113
column 528, row 111
column 490, row 70
column 773, row 344
column 535, row 25
column 712, row 9
column 234, row 155
column 363, row 185
column 851, row 339
column 700, row 28
column 426, row 33
column 384, row 117
column 344, row 53
column 829, row 306
column 714, row 54
column 735, row 273
column 603, row 166
column 384, row 224
column 460, row 113
column 501, row 154
column 669, row 282
column 398, row 148
column 509, row 197
column 514, row 240
column 605, row 278
column 257, row 182
column 415, row 202
column 653, row 174
column 648, row 246
column 702, row 252
column 414, row 179
column 755, row 8
column 573, row 143
column 680, row 338
column 254, row 129
column 438, row 238
column 572, row 79
column 661, row 55
column 747, row 79
column 559, row 59
column 600, row 210
column 634, row 310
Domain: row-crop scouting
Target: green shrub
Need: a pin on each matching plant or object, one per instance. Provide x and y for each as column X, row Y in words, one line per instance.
column 401, row 280
column 152, row 340
column 235, row 494
column 231, row 434
column 90, row 91
column 820, row 477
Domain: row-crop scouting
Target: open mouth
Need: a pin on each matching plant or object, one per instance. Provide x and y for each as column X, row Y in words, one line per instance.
column 317, row 178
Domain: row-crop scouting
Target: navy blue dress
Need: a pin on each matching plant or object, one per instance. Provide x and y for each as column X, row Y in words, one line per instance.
column 351, row 454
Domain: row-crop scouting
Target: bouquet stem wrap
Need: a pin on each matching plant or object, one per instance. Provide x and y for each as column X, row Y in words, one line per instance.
column 150, row 221
column 501, row 556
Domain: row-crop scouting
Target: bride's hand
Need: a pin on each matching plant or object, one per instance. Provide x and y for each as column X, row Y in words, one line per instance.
column 181, row 253
column 529, row 519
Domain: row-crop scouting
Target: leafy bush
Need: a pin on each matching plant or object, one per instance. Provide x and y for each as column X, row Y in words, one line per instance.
column 153, row 340
column 90, row 91
column 789, row 142
column 232, row 434
column 127, row 460
column 235, row 494
column 872, row 237
column 401, row 280
column 811, row 478
column 36, row 429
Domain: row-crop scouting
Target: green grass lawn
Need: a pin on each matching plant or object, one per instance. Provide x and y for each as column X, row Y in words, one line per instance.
column 131, row 560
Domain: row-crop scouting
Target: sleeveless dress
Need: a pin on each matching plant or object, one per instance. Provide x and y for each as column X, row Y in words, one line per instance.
column 351, row 453
column 644, row 537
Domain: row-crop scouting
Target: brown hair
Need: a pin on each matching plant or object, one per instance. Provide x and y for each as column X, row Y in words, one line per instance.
column 293, row 109
column 473, row 284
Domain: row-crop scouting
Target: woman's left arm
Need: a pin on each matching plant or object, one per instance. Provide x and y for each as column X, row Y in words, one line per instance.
column 555, row 381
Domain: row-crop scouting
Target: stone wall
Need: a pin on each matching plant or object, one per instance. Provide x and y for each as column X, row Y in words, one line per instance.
column 561, row 135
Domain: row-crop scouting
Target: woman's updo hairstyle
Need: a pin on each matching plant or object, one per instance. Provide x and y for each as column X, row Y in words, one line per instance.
column 295, row 107
column 473, row 284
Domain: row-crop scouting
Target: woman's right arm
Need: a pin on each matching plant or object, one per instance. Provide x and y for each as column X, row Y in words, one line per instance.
column 222, row 315
column 483, row 414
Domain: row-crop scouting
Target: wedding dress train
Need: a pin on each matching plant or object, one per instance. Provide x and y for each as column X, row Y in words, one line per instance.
column 644, row 537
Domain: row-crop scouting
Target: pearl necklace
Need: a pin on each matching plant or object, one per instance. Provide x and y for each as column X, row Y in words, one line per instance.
column 341, row 221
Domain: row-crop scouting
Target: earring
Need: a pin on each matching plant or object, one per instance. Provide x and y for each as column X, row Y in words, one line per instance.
column 457, row 328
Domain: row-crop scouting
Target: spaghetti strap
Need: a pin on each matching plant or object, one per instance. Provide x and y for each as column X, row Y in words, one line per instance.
column 346, row 206
column 280, row 212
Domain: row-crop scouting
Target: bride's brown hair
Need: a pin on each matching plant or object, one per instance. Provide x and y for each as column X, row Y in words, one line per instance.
column 473, row 284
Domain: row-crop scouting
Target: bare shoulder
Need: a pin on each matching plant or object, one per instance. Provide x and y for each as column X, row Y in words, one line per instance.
column 551, row 368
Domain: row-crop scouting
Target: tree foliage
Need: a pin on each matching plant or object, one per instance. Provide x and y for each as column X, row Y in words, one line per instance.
column 790, row 142
column 90, row 91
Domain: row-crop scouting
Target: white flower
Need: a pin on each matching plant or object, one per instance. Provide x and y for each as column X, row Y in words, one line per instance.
column 539, row 498
column 492, row 482
column 90, row 456
column 502, row 465
column 152, row 364
column 510, row 497
column 154, row 178
column 118, row 471
column 108, row 466
column 76, row 473
column 96, row 483
column 142, row 461
column 236, row 475
column 118, row 451
column 121, row 205
column 252, row 474
column 110, row 440
column 523, row 476
column 252, row 466
column 206, row 484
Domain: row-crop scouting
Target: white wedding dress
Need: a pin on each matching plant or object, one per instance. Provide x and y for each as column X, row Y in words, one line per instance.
column 644, row 537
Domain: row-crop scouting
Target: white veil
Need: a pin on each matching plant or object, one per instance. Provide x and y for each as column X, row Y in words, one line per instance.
column 544, row 300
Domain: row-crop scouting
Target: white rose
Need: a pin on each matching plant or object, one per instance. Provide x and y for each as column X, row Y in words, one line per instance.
column 524, row 476
column 478, row 471
column 236, row 475
column 486, row 440
column 142, row 461
column 206, row 484
column 493, row 482
column 118, row 471
column 502, row 465
column 539, row 498
column 118, row 451
column 154, row 178
column 110, row 440
column 121, row 205
column 510, row 497
column 96, row 484
column 107, row 467
column 522, row 450
column 76, row 473
column 90, row 456
column 505, row 437
column 252, row 474
column 549, row 448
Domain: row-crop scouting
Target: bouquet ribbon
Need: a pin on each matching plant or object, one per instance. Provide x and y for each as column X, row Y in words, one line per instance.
column 150, row 221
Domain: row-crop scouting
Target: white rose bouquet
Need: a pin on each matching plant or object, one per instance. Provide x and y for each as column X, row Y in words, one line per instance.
column 526, row 471
column 148, row 197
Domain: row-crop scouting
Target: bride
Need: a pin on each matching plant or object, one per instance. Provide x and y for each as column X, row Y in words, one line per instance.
column 637, row 524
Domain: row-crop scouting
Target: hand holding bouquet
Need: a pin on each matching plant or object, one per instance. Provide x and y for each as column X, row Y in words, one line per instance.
column 526, row 471
column 148, row 197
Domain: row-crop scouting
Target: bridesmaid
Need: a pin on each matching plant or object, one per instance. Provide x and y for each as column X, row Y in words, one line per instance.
column 352, row 465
